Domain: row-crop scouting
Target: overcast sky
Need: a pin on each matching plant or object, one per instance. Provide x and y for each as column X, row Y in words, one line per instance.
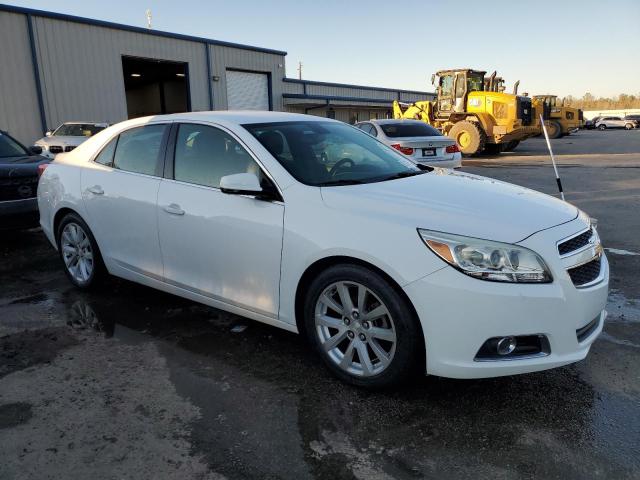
column 561, row 46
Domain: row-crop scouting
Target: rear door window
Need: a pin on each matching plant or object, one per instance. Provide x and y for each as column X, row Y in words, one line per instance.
column 138, row 150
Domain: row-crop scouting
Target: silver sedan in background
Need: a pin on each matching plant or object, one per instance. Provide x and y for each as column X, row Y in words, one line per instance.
column 417, row 140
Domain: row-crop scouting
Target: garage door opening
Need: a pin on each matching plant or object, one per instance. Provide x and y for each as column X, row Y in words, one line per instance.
column 155, row 86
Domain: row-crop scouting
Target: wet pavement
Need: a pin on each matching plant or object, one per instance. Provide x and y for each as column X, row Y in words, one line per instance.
column 132, row 383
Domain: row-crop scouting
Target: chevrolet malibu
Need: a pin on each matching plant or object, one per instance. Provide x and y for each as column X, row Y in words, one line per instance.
column 385, row 265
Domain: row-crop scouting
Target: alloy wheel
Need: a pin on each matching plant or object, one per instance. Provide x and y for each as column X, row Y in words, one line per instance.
column 77, row 252
column 355, row 329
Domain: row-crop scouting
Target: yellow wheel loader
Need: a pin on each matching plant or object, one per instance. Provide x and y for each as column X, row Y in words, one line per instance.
column 558, row 119
column 476, row 119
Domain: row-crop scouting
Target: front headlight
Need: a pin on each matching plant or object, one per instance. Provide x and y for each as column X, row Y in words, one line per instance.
column 487, row 260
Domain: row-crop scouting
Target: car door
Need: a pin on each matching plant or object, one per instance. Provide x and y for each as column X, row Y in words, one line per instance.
column 120, row 190
column 226, row 247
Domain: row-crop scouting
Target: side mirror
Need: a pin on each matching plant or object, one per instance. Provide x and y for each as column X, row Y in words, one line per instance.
column 241, row 184
column 35, row 149
column 433, row 79
column 48, row 133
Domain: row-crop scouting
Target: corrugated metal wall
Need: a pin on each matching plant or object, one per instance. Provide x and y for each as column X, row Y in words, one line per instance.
column 223, row 58
column 19, row 113
column 81, row 68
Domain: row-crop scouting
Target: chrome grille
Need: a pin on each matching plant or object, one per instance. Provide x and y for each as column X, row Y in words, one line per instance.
column 55, row 149
column 586, row 273
column 575, row 243
column 69, row 148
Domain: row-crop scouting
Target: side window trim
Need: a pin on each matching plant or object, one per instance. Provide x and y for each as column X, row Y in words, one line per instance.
column 170, row 153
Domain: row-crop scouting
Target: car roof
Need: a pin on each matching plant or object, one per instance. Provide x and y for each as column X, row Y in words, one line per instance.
column 384, row 121
column 84, row 123
column 238, row 116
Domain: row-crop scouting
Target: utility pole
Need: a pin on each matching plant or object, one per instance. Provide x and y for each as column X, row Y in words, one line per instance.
column 148, row 12
column 300, row 70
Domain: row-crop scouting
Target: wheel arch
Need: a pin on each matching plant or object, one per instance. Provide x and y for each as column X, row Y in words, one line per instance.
column 324, row 263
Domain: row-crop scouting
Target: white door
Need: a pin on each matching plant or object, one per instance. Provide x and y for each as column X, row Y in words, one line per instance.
column 226, row 247
column 120, row 193
column 247, row 90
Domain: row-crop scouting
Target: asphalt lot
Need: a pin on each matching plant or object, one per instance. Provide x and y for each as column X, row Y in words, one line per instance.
column 132, row 383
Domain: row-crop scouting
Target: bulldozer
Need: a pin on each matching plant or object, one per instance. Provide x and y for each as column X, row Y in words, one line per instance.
column 478, row 120
column 559, row 119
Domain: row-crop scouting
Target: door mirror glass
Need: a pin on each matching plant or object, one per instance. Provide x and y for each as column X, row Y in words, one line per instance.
column 241, row 184
column 433, row 79
column 36, row 149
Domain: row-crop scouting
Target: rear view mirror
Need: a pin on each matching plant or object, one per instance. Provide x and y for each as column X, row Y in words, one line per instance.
column 433, row 79
column 48, row 133
column 241, row 184
column 35, row 149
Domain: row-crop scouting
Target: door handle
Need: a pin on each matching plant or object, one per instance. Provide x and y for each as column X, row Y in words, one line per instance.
column 96, row 190
column 174, row 209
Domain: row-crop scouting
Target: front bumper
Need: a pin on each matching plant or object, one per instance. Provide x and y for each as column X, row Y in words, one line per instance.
column 459, row 313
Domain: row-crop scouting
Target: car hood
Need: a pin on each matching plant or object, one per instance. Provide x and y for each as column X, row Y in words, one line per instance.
column 61, row 140
column 455, row 202
column 21, row 165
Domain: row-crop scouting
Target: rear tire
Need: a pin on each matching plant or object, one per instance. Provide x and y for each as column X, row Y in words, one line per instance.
column 469, row 136
column 79, row 253
column 511, row 146
column 363, row 329
column 554, row 129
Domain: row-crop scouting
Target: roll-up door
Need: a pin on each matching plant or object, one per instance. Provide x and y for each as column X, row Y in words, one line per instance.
column 247, row 90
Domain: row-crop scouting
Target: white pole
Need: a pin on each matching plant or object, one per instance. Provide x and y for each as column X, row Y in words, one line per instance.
column 553, row 159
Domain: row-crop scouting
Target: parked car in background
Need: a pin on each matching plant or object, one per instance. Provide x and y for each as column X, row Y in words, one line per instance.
column 384, row 264
column 420, row 142
column 614, row 122
column 19, row 169
column 635, row 118
column 591, row 123
column 68, row 136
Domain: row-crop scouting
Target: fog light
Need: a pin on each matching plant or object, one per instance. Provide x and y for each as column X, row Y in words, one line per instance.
column 506, row 345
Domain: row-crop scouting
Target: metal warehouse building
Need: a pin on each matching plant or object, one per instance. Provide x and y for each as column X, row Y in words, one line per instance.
column 57, row 68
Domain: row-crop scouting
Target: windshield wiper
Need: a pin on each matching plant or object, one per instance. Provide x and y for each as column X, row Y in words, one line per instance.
column 401, row 175
column 342, row 182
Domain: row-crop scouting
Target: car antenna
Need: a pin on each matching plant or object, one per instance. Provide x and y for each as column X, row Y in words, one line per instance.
column 553, row 159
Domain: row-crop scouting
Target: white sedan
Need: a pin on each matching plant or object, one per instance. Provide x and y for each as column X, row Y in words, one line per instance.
column 420, row 142
column 384, row 264
column 67, row 137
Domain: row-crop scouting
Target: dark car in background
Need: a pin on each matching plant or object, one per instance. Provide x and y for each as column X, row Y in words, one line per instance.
column 20, row 168
column 635, row 119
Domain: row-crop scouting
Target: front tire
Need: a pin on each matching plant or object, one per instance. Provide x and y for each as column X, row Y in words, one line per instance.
column 554, row 129
column 469, row 136
column 362, row 328
column 79, row 253
column 628, row 126
column 602, row 127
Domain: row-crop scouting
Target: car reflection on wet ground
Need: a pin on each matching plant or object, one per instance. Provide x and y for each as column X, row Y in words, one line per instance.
column 128, row 382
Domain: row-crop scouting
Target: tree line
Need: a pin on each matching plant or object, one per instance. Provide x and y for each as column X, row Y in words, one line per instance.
column 590, row 102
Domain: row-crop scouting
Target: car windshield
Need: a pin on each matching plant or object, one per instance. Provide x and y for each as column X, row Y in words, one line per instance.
column 78, row 129
column 409, row 129
column 328, row 153
column 10, row 148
